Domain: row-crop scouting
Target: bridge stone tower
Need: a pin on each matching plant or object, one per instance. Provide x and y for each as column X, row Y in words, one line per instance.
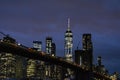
column 68, row 43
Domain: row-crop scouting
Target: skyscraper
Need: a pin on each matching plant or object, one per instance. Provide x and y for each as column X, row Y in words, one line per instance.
column 79, row 57
column 88, row 50
column 37, row 45
column 34, row 67
column 48, row 45
column 48, row 51
column 40, row 66
column 87, row 43
column 52, row 72
column 53, row 50
column 68, row 43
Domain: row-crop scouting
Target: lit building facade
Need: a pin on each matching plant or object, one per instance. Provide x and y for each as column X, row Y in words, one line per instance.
column 40, row 66
column 48, row 45
column 48, row 51
column 7, row 65
column 87, row 42
column 115, row 76
column 35, row 68
column 37, row 45
column 7, row 61
column 31, row 68
column 68, row 43
column 53, row 72
column 56, row 72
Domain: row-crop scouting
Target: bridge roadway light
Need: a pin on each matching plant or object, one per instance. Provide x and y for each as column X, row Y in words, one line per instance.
column 19, row 44
column 42, row 53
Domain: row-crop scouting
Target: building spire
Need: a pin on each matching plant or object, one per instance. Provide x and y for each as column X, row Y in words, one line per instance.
column 68, row 23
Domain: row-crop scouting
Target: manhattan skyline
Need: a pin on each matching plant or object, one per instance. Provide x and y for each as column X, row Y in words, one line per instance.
column 27, row 21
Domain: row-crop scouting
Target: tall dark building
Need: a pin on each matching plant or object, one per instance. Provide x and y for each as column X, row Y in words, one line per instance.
column 79, row 57
column 53, row 50
column 88, row 50
column 87, row 42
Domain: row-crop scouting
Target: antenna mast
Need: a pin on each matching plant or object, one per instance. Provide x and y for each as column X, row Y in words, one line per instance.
column 68, row 23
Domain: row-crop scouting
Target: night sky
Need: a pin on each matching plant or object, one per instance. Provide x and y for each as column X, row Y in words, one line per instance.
column 28, row 20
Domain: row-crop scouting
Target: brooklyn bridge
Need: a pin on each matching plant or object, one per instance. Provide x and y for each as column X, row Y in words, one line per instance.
column 80, row 72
